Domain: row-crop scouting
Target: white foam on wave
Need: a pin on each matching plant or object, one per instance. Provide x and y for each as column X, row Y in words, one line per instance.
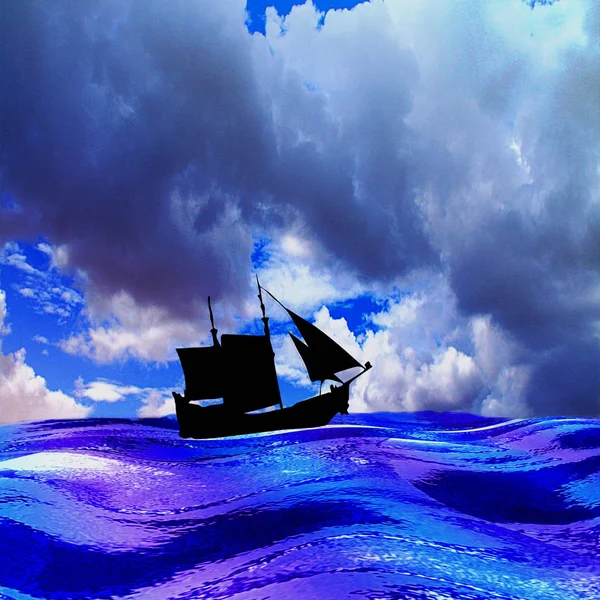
column 59, row 461
column 495, row 426
column 277, row 432
column 424, row 442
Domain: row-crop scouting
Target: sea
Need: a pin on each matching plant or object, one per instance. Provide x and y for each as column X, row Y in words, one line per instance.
column 382, row 506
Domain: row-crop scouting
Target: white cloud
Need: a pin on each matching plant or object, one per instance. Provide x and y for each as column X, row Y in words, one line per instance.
column 509, row 397
column 507, row 376
column 59, row 255
column 45, row 289
column 156, row 403
column 4, row 327
column 296, row 246
column 40, row 339
column 426, row 356
column 11, row 256
column 145, row 333
column 45, row 248
column 451, row 382
column 52, row 309
column 24, row 395
column 103, row 390
column 70, row 296
column 302, row 277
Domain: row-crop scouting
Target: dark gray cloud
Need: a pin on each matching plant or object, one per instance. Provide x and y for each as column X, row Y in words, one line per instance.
column 532, row 260
column 143, row 136
column 110, row 109
column 566, row 380
column 524, row 276
column 155, row 139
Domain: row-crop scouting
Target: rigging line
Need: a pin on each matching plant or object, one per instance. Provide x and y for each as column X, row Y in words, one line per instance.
column 278, row 302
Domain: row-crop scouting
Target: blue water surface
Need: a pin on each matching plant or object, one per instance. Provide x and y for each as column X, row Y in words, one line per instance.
column 379, row 506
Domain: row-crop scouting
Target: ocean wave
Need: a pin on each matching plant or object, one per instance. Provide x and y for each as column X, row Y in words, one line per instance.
column 376, row 506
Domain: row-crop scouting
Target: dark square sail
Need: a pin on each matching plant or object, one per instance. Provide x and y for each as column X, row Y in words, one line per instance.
column 251, row 381
column 203, row 372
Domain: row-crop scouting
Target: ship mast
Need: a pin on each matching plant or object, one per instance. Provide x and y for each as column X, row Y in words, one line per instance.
column 265, row 321
column 214, row 330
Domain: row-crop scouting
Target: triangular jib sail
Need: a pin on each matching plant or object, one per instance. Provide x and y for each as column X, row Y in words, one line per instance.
column 322, row 356
column 316, row 370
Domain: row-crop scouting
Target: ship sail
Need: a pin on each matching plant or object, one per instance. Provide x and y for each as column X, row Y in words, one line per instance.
column 203, row 372
column 252, row 382
column 316, row 370
column 322, row 356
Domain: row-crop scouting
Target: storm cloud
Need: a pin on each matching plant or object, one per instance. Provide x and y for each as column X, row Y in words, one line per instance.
column 155, row 142
column 149, row 138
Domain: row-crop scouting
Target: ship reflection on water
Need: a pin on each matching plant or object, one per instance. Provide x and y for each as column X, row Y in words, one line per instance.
column 373, row 506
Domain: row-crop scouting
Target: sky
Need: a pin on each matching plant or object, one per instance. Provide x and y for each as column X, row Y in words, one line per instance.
column 420, row 178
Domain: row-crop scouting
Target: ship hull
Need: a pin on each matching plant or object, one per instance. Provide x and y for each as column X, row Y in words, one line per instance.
column 216, row 421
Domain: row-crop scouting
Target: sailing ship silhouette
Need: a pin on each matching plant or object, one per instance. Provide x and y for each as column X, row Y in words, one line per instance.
column 240, row 369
